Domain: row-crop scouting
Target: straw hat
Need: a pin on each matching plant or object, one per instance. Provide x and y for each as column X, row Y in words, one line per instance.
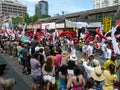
column 73, row 57
column 82, row 60
column 97, row 74
column 9, row 83
column 64, row 53
column 96, row 62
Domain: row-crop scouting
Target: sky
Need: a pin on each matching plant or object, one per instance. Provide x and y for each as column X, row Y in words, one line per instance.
column 58, row 6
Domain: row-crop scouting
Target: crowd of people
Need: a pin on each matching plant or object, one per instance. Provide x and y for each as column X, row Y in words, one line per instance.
column 55, row 64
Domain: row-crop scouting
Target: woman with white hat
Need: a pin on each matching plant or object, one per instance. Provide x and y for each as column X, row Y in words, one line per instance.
column 71, row 64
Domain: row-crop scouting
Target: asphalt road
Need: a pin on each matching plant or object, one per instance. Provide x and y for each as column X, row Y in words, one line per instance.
column 23, row 82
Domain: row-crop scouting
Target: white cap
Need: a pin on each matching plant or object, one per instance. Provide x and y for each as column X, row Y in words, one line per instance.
column 37, row 49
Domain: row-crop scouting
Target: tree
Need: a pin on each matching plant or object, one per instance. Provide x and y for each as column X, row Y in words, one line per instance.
column 35, row 18
column 17, row 20
column 44, row 16
column 26, row 18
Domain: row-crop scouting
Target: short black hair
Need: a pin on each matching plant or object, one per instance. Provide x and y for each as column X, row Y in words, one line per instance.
column 89, row 83
column 63, row 69
column 35, row 55
column 2, row 68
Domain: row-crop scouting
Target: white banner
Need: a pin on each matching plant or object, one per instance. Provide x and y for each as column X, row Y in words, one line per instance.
column 95, row 24
column 76, row 24
column 49, row 25
column 70, row 24
column 60, row 25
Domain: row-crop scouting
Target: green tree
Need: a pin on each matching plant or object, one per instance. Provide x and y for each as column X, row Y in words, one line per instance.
column 44, row 16
column 17, row 20
column 26, row 18
column 35, row 18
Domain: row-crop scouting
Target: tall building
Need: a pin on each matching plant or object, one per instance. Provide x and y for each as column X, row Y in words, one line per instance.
column 41, row 8
column 11, row 8
column 105, row 3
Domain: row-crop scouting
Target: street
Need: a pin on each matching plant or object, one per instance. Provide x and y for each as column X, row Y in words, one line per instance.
column 23, row 82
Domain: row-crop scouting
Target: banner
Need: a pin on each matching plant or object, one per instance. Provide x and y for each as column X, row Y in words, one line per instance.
column 107, row 24
column 76, row 24
column 70, row 24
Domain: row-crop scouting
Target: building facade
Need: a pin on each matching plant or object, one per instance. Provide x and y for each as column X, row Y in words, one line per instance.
column 105, row 3
column 11, row 8
column 41, row 8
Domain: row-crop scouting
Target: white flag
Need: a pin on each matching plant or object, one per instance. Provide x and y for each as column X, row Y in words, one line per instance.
column 114, row 42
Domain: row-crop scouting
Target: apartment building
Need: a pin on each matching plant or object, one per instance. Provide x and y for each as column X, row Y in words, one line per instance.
column 105, row 3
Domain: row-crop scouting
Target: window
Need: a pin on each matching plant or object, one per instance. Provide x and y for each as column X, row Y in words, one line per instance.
column 115, row 1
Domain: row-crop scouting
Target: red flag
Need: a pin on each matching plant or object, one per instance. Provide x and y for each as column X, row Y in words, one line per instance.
column 59, row 33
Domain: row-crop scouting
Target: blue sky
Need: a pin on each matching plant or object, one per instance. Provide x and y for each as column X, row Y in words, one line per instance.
column 57, row 6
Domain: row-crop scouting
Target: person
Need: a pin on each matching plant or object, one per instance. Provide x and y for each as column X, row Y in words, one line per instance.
column 5, row 84
column 90, row 65
column 53, row 57
column 77, row 80
column 110, row 77
column 65, row 57
column 89, row 84
column 98, row 77
column 110, row 61
column 117, row 84
column 19, row 48
column 62, row 77
column 24, row 59
column 108, row 52
column 71, row 64
column 48, row 71
column 58, row 58
column 3, row 72
column 34, row 43
column 35, row 71
column 89, row 50
column 104, row 48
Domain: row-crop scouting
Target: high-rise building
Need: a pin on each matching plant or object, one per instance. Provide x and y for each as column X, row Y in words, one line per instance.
column 11, row 8
column 41, row 8
column 105, row 3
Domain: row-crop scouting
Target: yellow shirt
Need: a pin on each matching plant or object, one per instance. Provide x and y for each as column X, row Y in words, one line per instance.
column 109, row 80
column 108, row 62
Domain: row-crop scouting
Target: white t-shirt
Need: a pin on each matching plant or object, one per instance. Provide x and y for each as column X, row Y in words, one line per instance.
column 90, row 50
column 108, row 53
column 89, row 69
column 103, row 47
column 73, row 51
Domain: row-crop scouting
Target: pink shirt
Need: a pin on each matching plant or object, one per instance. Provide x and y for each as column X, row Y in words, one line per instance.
column 59, row 58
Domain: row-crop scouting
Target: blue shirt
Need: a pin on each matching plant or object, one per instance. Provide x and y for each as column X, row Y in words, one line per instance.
column 98, row 85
